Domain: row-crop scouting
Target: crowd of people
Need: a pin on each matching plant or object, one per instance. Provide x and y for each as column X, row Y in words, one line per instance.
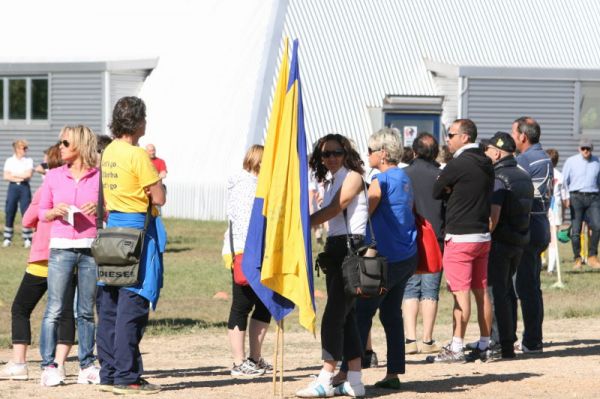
column 493, row 204
column 78, row 171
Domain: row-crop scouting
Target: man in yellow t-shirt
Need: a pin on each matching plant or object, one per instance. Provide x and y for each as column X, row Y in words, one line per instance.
column 126, row 170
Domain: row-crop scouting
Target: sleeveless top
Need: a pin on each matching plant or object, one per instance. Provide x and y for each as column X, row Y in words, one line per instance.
column 356, row 210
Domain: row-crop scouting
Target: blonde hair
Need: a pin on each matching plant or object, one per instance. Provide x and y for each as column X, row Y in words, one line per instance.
column 19, row 143
column 84, row 141
column 388, row 139
column 253, row 158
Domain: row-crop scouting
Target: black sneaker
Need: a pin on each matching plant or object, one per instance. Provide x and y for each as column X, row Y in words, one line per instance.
column 140, row 387
column 485, row 355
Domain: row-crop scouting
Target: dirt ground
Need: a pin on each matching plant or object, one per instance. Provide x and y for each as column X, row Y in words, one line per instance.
column 197, row 366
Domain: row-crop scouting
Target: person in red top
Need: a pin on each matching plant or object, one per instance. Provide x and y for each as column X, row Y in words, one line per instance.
column 159, row 164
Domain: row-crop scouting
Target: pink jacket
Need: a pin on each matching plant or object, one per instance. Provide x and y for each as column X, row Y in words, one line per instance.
column 60, row 187
column 41, row 237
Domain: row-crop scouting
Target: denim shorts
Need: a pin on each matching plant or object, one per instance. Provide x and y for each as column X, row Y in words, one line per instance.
column 423, row 286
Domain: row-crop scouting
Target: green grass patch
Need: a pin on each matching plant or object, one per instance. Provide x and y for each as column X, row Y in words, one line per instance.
column 194, row 272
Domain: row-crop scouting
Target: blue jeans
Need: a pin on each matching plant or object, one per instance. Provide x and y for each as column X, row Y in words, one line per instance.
column 61, row 267
column 18, row 195
column 390, row 314
column 585, row 207
column 423, row 286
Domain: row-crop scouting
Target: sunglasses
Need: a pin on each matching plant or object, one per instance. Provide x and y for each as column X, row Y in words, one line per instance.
column 336, row 153
column 25, row 148
column 451, row 135
column 65, row 143
column 586, row 149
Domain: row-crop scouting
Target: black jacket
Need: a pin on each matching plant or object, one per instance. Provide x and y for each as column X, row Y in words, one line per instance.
column 423, row 175
column 516, row 202
column 469, row 178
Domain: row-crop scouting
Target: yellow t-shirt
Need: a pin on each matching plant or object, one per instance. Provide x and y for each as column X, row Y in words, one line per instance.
column 126, row 170
column 38, row 269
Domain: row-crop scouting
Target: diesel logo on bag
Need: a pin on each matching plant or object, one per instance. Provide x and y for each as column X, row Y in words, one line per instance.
column 103, row 274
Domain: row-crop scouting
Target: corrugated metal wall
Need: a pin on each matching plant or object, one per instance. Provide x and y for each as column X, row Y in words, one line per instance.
column 495, row 103
column 75, row 97
column 125, row 84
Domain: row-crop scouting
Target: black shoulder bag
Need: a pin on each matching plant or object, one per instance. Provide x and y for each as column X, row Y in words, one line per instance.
column 117, row 250
column 364, row 272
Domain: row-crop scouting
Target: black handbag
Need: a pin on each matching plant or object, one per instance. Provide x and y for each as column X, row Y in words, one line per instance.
column 364, row 272
column 117, row 250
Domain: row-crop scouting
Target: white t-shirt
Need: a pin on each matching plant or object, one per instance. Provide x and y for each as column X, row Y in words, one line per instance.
column 357, row 210
column 18, row 166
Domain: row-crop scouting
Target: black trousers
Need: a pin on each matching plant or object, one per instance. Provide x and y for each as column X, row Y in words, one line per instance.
column 243, row 300
column 502, row 265
column 31, row 290
column 339, row 331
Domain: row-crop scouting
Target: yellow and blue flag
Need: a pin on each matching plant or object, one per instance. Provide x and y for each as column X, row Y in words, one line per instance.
column 278, row 255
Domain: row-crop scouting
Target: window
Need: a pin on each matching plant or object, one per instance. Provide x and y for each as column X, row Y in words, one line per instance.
column 23, row 99
column 590, row 109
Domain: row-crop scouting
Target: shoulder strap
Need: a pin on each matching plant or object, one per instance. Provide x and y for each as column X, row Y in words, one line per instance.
column 100, row 206
column 231, row 240
column 374, row 241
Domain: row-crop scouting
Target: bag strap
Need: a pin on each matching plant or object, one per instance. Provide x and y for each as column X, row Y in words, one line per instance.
column 100, row 206
column 231, row 241
column 374, row 241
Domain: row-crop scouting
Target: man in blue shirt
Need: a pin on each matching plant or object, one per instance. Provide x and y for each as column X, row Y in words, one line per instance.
column 581, row 175
column 526, row 132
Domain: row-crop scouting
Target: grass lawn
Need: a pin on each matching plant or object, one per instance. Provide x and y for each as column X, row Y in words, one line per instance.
column 194, row 272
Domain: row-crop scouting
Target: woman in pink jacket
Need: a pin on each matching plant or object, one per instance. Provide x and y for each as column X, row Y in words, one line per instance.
column 32, row 289
column 68, row 200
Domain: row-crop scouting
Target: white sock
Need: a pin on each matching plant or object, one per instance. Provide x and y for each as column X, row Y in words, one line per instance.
column 484, row 342
column 457, row 344
column 325, row 377
column 354, row 377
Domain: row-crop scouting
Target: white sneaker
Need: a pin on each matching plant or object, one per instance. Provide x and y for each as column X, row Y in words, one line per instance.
column 345, row 389
column 12, row 371
column 27, row 244
column 89, row 375
column 6, row 243
column 316, row 390
column 61, row 370
column 51, row 377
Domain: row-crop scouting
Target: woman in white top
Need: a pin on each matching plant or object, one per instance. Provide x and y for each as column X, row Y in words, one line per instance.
column 555, row 213
column 18, row 169
column 241, row 191
column 335, row 162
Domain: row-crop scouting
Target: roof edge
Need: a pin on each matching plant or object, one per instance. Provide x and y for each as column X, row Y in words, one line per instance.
column 30, row 67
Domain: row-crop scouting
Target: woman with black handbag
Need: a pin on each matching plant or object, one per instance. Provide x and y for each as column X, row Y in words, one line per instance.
column 393, row 222
column 337, row 163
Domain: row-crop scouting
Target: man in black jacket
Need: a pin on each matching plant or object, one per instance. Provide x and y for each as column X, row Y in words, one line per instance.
column 511, row 204
column 466, row 185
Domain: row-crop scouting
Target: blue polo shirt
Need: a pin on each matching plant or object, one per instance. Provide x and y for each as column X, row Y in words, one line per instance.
column 582, row 174
column 537, row 163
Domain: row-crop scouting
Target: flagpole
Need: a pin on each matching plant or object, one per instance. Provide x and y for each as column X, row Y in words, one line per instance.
column 278, row 360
